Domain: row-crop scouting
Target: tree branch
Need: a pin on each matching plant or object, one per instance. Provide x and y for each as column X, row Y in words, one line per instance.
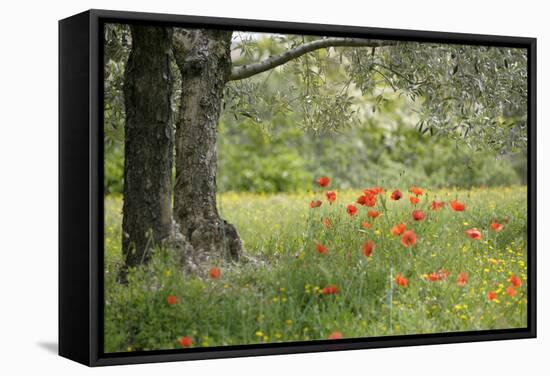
column 245, row 71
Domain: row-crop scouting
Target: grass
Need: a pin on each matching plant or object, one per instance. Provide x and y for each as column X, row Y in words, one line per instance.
column 283, row 299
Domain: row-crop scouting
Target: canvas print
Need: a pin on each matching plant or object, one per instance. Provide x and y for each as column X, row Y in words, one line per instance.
column 268, row 188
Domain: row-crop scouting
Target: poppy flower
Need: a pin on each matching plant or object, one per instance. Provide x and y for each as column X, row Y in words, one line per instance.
column 352, row 210
column 515, row 281
column 511, row 291
column 491, row 295
column 417, row 191
column 414, row 200
column 335, row 335
column 473, row 233
column 408, row 239
column 496, row 226
column 367, row 200
column 185, row 341
column 366, row 225
column 418, row 215
column 368, row 247
column 373, row 191
column 462, row 279
column 396, row 195
column 327, row 223
column 398, row 229
column 443, row 274
column 457, row 206
column 171, row 299
column 401, row 281
column 362, row 200
column 437, row 205
column 329, row 290
column 438, row 276
column 373, row 213
column 323, row 181
column 321, row 248
column 370, row 201
column 331, row 196
column 315, row 204
column 214, row 272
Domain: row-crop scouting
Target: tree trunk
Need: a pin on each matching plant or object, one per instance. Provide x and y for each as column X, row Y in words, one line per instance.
column 204, row 60
column 148, row 145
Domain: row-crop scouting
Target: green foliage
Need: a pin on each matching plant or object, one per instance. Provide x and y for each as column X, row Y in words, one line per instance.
column 117, row 49
column 281, row 300
column 386, row 149
column 474, row 93
column 252, row 159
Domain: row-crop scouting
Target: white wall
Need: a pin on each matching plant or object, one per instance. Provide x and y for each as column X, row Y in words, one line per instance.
column 28, row 185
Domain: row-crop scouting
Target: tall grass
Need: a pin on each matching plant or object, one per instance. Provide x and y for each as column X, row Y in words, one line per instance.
column 282, row 298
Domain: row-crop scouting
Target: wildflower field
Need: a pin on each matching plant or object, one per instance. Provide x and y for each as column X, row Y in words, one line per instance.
column 328, row 264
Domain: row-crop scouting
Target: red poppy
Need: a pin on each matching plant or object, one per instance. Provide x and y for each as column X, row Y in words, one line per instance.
column 329, row 290
column 321, row 248
column 438, row 276
column 437, row 205
column 315, row 204
column 418, row 215
column 491, row 295
column 417, row 191
column 368, row 247
column 185, row 341
column 496, row 226
column 171, row 299
column 352, row 210
column 335, row 335
column 515, row 281
column 373, row 213
column 457, row 206
column 462, row 279
column 414, row 200
column 362, row 200
column 398, row 229
column 473, row 233
column 367, row 200
column 408, row 239
column 366, row 225
column 370, row 201
column 215, row 272
column 327, row 222
column 396, row 195
column 401, row 281
column 443, row 274
column 331, row 196
column 511, row 291
column 323, row 181
column 373, row 191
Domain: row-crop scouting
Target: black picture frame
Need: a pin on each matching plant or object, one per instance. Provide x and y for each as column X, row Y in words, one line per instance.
column 81, row 188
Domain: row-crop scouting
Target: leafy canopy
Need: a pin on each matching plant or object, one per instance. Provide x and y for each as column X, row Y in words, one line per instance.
column 474, row 94
column 477, row 94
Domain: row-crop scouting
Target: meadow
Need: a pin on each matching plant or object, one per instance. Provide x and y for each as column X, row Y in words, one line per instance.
column 328, row 269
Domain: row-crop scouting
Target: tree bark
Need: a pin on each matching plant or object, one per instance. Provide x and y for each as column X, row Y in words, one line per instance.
column 204, row 60
column 148, row 145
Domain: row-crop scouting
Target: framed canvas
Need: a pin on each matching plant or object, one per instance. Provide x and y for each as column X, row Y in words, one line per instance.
column 234, row 187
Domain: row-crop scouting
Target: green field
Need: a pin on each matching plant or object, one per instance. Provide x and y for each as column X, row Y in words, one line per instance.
column 279, row 295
